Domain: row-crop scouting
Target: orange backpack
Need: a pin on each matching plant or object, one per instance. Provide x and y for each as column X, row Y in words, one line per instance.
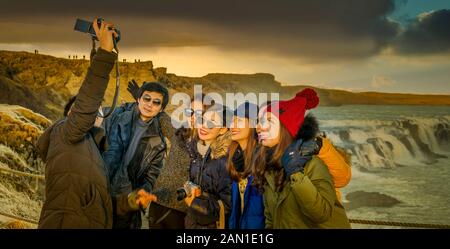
column 338, row 164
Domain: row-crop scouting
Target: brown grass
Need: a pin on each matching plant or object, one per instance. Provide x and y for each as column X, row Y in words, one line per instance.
column 16, row 224
column 17, row 134
column 34, row 117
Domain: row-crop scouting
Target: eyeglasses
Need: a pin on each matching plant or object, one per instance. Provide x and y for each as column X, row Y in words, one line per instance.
column 189, row 112
column 147, row 99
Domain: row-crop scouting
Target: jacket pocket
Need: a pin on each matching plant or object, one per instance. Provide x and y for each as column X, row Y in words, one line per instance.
column 88, row 198
column 93, row 208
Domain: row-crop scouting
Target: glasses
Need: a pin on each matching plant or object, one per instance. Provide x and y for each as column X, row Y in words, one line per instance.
column 189, row 112
column 147, row 99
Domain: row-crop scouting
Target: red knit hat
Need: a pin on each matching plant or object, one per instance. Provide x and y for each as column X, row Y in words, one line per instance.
column 291, row 113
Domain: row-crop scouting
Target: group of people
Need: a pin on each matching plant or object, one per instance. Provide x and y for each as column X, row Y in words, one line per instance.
column 228, row 169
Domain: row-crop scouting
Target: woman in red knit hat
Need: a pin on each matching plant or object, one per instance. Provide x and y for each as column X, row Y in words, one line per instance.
column 298, row 187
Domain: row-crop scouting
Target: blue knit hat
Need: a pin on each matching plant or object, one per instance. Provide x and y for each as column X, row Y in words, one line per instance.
column 247, row 110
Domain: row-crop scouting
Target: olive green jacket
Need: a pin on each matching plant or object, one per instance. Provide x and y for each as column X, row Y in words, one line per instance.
column 307, row 200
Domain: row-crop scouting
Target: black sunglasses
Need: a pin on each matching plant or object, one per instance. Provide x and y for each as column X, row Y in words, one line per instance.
column 147, row 99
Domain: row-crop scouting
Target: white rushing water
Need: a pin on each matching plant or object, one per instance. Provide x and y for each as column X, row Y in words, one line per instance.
column 386, row 144
column 399, row 151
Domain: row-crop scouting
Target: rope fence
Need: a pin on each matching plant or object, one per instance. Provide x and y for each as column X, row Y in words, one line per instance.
column 19, row 218
column 398, row 224
column 9, row 171
column 353, row 221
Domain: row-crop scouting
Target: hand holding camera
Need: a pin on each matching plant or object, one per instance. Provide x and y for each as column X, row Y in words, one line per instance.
column 100, row 30
column 108, row 36
column 105, row 34
column 188, row 192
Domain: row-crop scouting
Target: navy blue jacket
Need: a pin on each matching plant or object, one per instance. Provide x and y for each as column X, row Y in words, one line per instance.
column 253, row 215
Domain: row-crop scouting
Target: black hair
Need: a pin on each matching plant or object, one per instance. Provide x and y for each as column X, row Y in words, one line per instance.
column 247, row 110
column 69, row 105
column 156, row 87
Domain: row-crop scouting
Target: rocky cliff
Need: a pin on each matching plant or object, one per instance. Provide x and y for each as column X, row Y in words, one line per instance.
column 43, row 84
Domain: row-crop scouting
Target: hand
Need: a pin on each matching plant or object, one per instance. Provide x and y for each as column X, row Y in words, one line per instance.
column 311, row 147
column 133, row 88
column 144, row 198
column 105, row 34
column 140, row 199
column 196, row 192
column 292, row 160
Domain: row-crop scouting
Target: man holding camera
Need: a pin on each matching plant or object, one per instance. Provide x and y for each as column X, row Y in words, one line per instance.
column 77, row 190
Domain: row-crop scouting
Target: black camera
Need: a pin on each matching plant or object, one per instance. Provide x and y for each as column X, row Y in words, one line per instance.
column 86, row 27
column 186, row 190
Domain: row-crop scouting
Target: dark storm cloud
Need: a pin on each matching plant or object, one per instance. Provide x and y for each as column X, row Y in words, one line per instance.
column 427, row 34
column 319, row 29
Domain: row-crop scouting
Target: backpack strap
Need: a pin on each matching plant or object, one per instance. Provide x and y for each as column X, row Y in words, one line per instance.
column 221, row 223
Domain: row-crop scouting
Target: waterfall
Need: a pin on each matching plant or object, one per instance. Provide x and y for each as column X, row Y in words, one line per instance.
column 391, row 143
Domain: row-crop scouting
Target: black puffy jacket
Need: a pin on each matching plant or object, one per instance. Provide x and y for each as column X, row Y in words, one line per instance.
column 215, row 183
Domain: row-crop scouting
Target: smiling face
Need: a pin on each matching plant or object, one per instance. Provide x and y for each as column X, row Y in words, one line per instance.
column 240, row 129
column 268, row 129
column 211, row 128
column 150, row 104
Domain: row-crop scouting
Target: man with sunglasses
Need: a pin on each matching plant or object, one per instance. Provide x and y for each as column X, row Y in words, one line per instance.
column 136, row 147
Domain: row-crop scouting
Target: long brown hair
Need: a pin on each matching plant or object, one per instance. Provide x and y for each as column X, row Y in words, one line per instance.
column 248, row 157
column 260, row 164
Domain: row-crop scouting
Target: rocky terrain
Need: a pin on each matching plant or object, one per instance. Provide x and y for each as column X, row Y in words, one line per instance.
column 20, row 194
column 43, row 84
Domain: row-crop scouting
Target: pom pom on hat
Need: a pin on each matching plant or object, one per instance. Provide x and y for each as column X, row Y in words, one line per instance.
column 312, row 100
column 291, row 113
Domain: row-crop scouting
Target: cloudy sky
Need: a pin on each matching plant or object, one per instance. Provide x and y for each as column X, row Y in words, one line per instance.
column 358, row 45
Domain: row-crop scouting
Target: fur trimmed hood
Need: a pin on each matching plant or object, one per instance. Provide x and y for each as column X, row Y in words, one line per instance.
column 219, row 147
column 309, row 128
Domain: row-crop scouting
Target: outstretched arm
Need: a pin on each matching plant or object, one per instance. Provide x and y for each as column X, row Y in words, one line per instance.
column 84, row 111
